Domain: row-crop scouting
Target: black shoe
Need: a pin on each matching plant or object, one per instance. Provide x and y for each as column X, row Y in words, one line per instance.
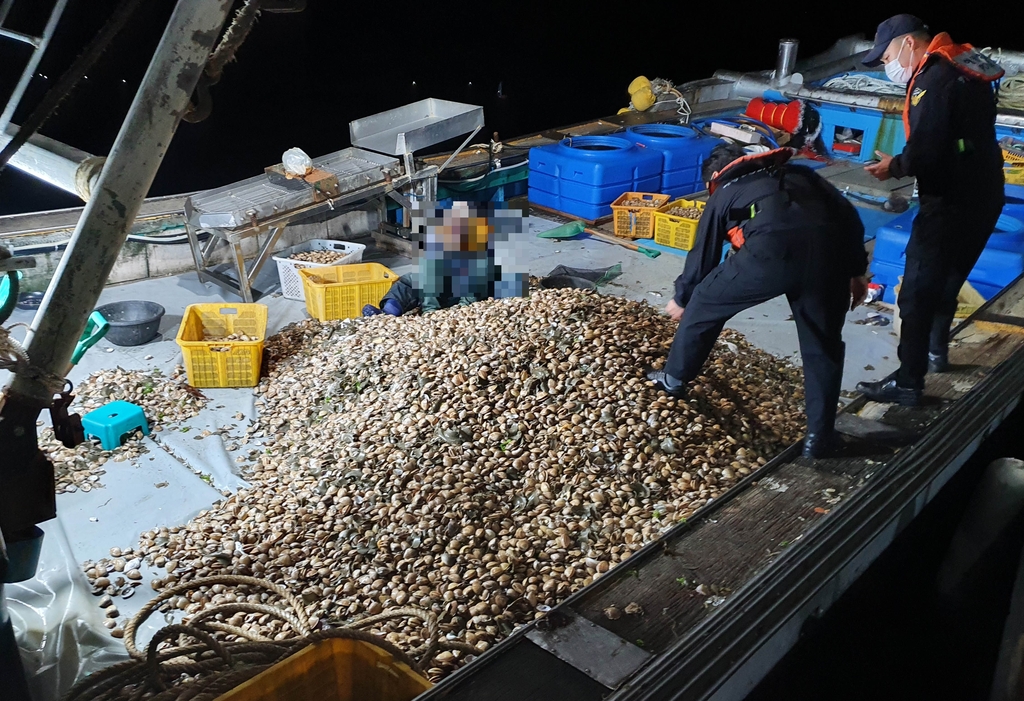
column 819, row 445
column 938, row 362
column 888, row 392
column 661, row 380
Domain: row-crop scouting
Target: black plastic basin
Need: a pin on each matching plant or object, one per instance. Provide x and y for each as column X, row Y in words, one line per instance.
column 30, row 300
column 132, row 323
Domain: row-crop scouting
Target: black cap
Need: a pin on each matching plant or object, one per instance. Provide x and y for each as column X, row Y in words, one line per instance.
column 887, row 31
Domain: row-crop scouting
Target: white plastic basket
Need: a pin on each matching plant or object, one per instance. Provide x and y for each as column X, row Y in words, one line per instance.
column 287, row 268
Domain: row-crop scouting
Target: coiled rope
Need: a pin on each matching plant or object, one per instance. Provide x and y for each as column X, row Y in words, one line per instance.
column 216, row 664
column 865, row 84
column 12, row 354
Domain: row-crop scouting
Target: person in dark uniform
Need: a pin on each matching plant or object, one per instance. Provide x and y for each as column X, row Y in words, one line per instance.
column 949, row 119
column 792, row 234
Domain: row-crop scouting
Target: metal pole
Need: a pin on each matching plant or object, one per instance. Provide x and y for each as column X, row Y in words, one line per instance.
column 131, row 166
column 56, row 163
column 5, row 8
column 786, row 61
column 746, row 86
column 33, row 63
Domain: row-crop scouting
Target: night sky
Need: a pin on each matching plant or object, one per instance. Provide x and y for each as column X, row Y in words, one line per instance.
column 301, row 78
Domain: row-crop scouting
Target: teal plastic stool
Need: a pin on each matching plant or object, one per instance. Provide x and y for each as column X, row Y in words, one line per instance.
column 112, row 421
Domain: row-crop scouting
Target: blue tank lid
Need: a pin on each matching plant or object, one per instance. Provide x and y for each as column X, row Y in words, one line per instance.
column 663, row 131
column 588, row 145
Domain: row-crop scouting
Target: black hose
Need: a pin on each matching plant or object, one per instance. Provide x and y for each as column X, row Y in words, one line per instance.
column 56, row 247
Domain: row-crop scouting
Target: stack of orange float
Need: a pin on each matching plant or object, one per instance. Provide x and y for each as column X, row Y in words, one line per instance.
column 788, row 117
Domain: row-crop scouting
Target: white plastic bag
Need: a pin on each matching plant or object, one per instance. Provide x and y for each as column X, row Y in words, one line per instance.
column 296, row 162
column 57, row 624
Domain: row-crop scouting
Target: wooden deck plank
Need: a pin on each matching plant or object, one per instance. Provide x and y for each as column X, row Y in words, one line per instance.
column 721, row 553
column 565, row 218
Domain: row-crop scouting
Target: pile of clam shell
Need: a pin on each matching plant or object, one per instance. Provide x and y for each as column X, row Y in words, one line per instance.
column 482, row 462
column 164, row 400
column 638, row 202
column 325, row 257
column 685, row 212
column 113, row 579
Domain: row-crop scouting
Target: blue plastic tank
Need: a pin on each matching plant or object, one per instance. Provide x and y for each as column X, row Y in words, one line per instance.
column 1000, row 263
column 583, row 175
column 683, row 150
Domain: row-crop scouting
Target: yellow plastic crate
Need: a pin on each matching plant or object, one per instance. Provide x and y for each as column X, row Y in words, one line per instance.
column 636, row 222
column 216, row 363
column 677, row 232
column 341, row 291
column 333, row 670
column 1014, row 175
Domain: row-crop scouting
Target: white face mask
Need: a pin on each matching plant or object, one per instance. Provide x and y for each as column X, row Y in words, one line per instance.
column 896, row 72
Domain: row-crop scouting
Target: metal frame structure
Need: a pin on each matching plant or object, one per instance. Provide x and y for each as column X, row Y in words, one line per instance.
column 38, row 45
column 272, row 228
column 398, row 132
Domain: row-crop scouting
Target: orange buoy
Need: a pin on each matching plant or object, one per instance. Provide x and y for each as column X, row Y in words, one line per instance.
column 779, row 115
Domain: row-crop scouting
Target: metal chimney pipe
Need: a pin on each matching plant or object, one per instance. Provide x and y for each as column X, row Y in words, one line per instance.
column 786, row 61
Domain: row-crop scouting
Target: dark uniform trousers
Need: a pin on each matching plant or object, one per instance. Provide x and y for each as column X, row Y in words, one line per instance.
column 793, row 264
column 945, row 243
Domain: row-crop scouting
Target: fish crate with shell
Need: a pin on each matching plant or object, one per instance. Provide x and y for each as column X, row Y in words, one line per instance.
column 317, row 253
column 222, row 344
column 633, row 214
column 675, row 224
column 341, row 291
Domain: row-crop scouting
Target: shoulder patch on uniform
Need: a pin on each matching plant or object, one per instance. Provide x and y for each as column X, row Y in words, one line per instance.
column 916, row 96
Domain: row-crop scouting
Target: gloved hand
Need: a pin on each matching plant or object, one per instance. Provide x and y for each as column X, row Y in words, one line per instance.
column 392, row 307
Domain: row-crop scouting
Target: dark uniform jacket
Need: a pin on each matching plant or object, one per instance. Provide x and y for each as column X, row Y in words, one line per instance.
column 805, row 206
column 951, row 142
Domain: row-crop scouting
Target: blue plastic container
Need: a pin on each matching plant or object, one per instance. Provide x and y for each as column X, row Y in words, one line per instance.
column 873, row 219
column 683, row 150
column 582, row 176
column 876, row 131
column 1000, row 263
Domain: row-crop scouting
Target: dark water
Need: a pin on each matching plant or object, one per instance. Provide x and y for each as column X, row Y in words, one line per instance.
column 300, row 78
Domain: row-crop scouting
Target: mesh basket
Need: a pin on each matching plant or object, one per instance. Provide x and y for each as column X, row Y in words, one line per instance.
column 213, row 361
column 341, row 291
column 636, row 222
column 288, row 269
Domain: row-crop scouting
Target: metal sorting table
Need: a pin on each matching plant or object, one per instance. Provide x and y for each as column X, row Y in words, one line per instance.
column 256, row 207
column 406, row 129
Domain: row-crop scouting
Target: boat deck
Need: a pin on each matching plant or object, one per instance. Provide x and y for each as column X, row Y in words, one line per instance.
column 722, row 596
column 180, row 476
column 720, row 599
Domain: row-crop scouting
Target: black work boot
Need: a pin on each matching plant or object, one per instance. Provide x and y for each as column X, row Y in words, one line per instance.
column 888, row 392
column 820, row 444
column 666, row 383
column 938, row 362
